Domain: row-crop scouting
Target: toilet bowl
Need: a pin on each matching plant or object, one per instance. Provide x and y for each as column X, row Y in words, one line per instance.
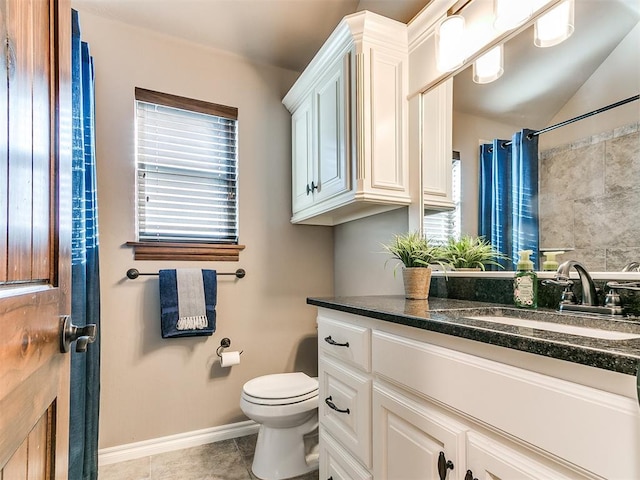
column 286, row 407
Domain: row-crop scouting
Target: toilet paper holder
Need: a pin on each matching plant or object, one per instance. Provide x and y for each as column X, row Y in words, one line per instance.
column 224, row 343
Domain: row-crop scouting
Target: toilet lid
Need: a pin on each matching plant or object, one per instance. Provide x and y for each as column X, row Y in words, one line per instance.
column 281, row 386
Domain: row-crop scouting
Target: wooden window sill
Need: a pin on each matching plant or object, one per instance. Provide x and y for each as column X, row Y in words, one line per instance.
column 186, row 251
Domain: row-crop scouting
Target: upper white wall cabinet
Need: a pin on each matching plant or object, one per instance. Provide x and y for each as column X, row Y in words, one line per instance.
column 349, row 118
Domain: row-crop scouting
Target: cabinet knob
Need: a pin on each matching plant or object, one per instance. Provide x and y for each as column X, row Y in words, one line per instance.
column 331, row 341
column 312, row 187
column 469, row 476
column 443, row 466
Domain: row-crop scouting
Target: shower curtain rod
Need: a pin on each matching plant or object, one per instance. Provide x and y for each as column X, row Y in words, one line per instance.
column 580, row 117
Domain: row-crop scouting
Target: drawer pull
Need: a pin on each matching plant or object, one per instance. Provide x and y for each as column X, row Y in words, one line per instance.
column 443, row 466
column 469, row 476
column 331, row 341
column 333, row 406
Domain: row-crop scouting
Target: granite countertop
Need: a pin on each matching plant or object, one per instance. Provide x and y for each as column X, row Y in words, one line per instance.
column 448, row 316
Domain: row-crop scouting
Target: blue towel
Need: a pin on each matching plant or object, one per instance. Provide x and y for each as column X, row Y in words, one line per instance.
column 169, row 304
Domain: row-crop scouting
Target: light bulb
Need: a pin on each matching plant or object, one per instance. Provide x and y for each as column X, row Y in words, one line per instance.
column 450, row 43
column 510, row 13
column 555, row 26
column 489, row 67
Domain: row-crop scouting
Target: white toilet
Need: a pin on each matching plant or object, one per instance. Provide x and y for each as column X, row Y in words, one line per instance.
column 286, row 407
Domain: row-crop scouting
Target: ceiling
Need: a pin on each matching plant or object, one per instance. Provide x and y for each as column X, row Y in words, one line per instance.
column 285, row 33
column 288, row 33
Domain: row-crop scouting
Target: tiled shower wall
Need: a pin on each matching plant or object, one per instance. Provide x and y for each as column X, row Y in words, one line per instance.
column 590, row 199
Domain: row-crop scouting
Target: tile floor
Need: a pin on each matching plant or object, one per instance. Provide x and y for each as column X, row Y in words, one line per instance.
column 226, row 460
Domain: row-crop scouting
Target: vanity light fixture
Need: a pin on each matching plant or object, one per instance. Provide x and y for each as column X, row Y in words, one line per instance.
column 510, row 14
column 450, row 43
column 489, row 67
column 555, row 26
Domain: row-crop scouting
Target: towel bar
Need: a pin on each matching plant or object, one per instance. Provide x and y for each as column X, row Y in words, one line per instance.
column 133, row 273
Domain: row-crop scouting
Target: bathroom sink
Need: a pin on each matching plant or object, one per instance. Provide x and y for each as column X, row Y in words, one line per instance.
column 558, row 327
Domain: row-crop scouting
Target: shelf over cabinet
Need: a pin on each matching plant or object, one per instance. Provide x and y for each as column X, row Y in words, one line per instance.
column 349, row 117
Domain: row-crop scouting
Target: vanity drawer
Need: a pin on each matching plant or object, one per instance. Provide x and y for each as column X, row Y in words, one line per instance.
column 336, row 463
column 350, row 343
column 345, row 406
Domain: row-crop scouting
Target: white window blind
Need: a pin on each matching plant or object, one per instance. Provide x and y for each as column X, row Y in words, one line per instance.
column 186, row 175
column 440, row 226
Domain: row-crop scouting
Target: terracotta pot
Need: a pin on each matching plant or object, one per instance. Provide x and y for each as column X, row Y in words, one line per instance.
column 416, row 282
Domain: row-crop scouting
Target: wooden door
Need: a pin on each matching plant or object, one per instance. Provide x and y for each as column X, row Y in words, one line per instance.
column 35, row 238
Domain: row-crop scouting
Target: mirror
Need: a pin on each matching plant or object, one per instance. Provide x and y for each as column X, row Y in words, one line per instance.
column 589, row 193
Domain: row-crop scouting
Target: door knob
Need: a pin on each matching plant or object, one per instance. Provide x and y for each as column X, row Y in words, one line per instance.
column 70, row 333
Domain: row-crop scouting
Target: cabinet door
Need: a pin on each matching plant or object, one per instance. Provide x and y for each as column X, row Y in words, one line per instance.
column 487, row 458
column 409, row 437
column 302, row 156
column 332, row 164
column 437, row 141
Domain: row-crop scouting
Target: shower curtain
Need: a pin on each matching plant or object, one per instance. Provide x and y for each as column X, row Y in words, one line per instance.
column 508, row 203
column 85, row 287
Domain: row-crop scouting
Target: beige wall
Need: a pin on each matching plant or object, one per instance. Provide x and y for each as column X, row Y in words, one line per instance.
column 153, row 387
column 359, row 259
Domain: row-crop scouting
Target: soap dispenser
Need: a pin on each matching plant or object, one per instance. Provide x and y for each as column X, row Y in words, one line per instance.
column 525, row 285
column 550, row 263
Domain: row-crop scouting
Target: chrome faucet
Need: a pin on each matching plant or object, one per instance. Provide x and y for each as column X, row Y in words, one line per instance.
column 631, row 267
column 589, row 295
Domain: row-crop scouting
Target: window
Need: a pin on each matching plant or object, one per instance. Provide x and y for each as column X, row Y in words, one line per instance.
column 440, row 226
column 186, row 177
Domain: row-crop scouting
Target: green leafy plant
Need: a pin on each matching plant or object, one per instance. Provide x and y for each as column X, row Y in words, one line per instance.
column 413, row 250
column 471, row 252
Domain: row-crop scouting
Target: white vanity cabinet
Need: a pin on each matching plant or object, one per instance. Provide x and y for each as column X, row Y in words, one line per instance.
column 426, row 409
column 349, row 116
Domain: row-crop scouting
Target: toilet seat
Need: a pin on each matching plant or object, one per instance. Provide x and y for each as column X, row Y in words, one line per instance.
column 280, row 389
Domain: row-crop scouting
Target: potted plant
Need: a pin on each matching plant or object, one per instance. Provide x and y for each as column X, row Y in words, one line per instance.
column 416, row 255
column 471, row 253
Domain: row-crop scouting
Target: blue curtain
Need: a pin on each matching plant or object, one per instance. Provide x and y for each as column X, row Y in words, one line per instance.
column 524, row 181
column 85, row 293
column 495, row 198
column 508, row 203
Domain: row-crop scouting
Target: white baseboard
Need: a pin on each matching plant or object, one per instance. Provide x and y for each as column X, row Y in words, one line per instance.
column 131, row 451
